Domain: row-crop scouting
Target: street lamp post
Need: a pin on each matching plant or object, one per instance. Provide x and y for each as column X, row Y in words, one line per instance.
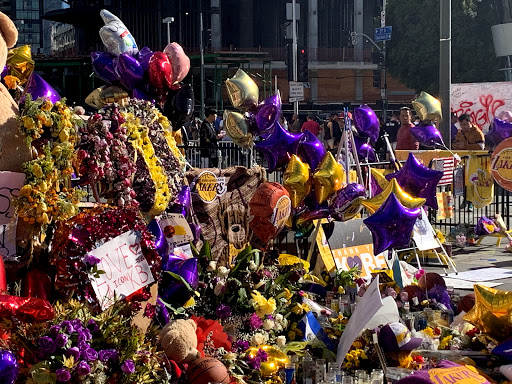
column 168, row 21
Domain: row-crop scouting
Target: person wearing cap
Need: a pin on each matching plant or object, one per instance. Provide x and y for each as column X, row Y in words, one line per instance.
column 404, row 139
column 396, row 341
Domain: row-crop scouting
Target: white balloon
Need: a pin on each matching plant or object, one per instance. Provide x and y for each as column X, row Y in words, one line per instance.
column 115, row 36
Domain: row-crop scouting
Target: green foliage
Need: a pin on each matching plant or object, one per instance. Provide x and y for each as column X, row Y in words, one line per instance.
column 413, row 52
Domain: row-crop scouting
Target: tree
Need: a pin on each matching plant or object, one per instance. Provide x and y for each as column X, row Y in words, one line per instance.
column 413, row 52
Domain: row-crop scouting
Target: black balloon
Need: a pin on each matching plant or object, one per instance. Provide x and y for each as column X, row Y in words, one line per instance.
column 179, row 106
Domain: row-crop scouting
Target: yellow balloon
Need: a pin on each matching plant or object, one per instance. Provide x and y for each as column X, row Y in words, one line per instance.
column 492, row 312
column 20, row 63
column 236, row 128
column 93, row 98
column 296, row 180
column 276, row 360
column 427, row 107
column 403, row 197
column 328, row 177
column 242, row 91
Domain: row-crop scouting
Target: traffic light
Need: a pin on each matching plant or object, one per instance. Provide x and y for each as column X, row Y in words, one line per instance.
column 376, row 78
column 289, row 61
column 302, row 65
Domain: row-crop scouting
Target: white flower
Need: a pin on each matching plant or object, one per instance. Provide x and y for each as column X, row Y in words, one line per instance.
column 219, row 288
column 257, row 339
column 230, row 356
column 222, row 272
column 212, row 265
column 281, row 341
column 279, row 318
column 268, row 324
column 252, row 266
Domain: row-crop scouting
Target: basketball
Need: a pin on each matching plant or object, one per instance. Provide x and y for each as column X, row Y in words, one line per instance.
column 428, row 280
column 207, row 369
column 414, row 291
column 466, row 303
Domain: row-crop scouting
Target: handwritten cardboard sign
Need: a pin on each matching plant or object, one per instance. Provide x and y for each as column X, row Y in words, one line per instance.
column 126, row 269
column 176, row 229
column 10, row 185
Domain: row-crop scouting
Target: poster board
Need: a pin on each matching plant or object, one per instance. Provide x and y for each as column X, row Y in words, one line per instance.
column 351, row 244
column 423, row 234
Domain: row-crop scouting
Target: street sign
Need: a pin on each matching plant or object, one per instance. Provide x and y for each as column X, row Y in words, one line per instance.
column 383, row 34
column 296, row 91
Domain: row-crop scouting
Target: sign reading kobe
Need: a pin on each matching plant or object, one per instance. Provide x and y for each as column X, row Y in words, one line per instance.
column 501, row 164
column 351, row 244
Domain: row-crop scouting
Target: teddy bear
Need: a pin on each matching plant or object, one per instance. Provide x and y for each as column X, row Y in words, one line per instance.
column 13, row 149
column 178, row 340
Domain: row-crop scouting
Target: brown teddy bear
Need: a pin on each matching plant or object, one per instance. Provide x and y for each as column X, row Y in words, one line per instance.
column 13, row 149
column 179, row 341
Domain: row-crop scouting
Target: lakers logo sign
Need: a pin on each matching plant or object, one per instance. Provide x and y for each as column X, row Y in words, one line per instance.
column 501, row 164
column 209, row 186
column 281, row 212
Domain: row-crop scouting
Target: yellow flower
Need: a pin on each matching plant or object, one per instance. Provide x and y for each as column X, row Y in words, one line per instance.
column 349, row 365
column 350, row 357
column 298, row 310
column 445, row 342
column 37, row 171
column 47, row 105
column 12, row 82
column 341, row 290
column 26, row 190
column 28, row 122
column 69, row 362
column 190, row 303
column 357, row 363
column 64, row 135
column 363, row 355
column 429, row 332
column 263, row 306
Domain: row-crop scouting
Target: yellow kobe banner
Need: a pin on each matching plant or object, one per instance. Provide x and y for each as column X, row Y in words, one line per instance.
column 479, row 181
column 445, row 205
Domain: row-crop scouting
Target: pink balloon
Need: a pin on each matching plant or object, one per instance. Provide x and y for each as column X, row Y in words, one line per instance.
column 180, row 62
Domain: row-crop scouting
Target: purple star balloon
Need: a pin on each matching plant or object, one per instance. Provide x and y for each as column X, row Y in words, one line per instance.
column 391, row 225
column 38, row 87
column 499, row 131
column 347, row 202
column 266, row 115
column 9, row 367
column 365, row 151
column 278, row 147
column 310, row 149
column 418, row 180
column 103, row 64
column 427, row 135
column 367, row 122
column 129, row 71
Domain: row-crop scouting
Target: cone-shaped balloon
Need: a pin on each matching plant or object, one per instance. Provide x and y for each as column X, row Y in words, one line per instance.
column 310, row 149
column 391, row 225
column 242, row 91
column 367, row 122
column 418, row 180
column 297, row 180
column 328, row 178
column 427, row 107
column 267, row 114
column 278, row 147
column 38, row 87
column 346, row 204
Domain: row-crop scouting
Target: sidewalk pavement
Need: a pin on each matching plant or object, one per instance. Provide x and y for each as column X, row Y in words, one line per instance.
column 485, row 255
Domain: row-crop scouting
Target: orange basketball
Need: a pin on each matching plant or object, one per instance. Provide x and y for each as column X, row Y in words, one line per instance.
column 207, row 369
column 466, row 303
column 428, row 280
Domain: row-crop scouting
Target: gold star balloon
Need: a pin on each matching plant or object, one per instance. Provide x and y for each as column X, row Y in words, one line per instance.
column 427, row 107
column 403, row 197
column 328, row 178
column 20, row 63
column 242, row 91
column 296, row 180
column 492, row 312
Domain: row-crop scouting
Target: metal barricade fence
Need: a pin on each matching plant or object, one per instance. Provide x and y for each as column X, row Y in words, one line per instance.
column 231, row 155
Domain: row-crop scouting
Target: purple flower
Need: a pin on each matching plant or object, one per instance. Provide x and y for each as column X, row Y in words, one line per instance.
column 92, row 326
column 128, row 366
column 67, row 326
column 91, row 260
column 84, row 335
column 150, row 311
column 47, row 344
column 83, row 368
column 63, row 375
column 255, row 322
column 89, row 354
column 61, row 340
column 40, row 355
column 108, row 354
column 73, row 351
column 54, row 330
column 223, row 311
column 240, row 346
column 262, row 355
